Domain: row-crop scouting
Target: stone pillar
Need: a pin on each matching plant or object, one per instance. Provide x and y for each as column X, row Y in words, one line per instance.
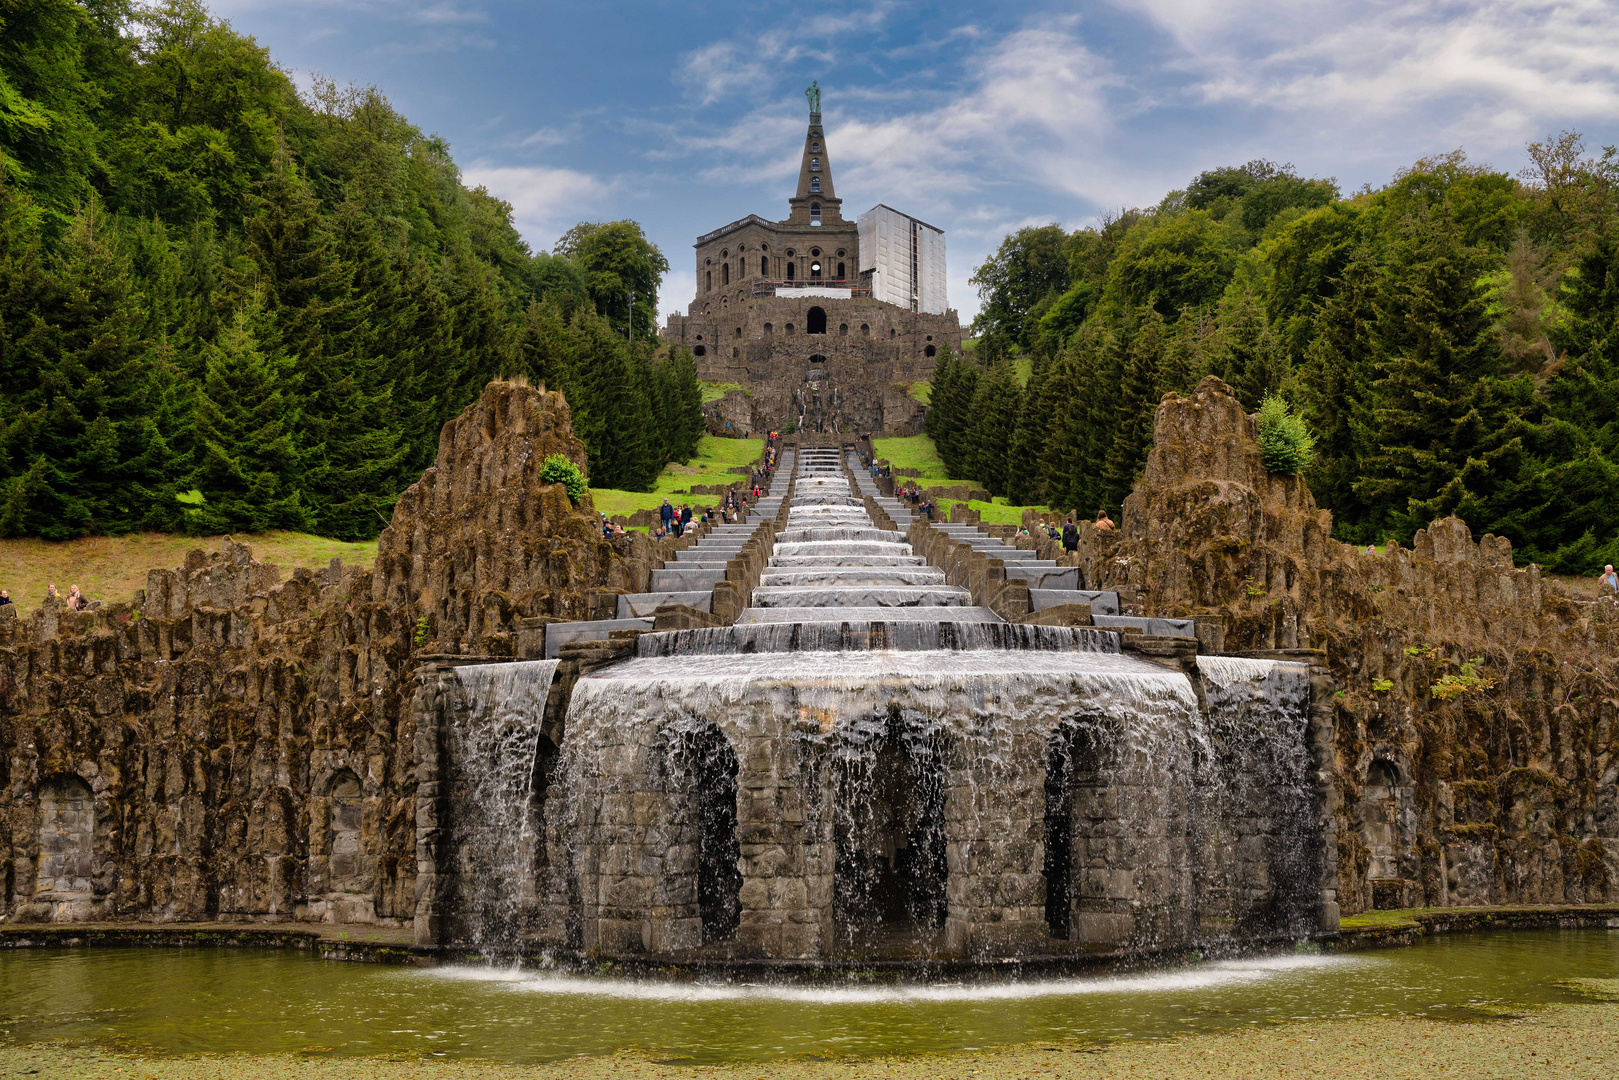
column 434, row 859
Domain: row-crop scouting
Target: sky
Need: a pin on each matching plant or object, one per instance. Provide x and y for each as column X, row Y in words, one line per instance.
column 977, row 118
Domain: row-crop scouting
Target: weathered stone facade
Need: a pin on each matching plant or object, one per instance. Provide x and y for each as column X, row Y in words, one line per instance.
column 231, row 744
column 1505, row 794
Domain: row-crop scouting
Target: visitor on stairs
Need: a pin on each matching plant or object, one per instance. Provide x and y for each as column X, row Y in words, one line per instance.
column 1070, row 537
column 1103, row 522
column 685, row 519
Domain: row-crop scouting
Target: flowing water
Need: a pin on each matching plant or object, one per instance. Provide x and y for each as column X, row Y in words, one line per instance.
column 175, row 1001
column 903, row 758
column 496, row 742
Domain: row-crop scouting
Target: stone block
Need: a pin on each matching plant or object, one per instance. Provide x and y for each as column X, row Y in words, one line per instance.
column 1103, row 928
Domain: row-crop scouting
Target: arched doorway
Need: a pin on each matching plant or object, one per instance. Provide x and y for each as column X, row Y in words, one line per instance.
column 67, row 825
column 1076, row 754
column 815, row 321
column 890, row 869
column 705, row 772
column 344, row 811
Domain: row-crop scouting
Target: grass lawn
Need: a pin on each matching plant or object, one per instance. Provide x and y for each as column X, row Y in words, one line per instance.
column 916, row 452
column 920, row 391
column 715, row 459
column 998, row 512
column 969, row 345
column 111, row 568
column 713, row 391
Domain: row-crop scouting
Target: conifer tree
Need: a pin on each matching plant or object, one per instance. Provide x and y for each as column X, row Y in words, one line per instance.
column 245, row 429
column 993, row 417
column 1439, row 410
column 1135, row 403
column 1247, row 355
column 1031, row 438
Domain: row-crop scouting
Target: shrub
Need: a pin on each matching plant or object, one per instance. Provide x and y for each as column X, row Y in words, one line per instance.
column 559, row 470
column 1284, row 441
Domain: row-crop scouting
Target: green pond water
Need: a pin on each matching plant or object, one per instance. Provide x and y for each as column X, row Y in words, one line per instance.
column 174, row 1001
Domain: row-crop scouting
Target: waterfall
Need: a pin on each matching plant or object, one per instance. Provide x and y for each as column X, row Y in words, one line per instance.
column 1259, row 852
column 496, row 767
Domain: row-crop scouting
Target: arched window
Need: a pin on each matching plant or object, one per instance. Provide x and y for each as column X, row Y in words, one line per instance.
column 725, row 274
column 815, row 213
column 892, row 331
column 815, row 164
column 843, row 330
column 841, row 274
column 739, row 331
column 788, row 329
column 699, row 351
column 815, row 270
column 865, row 330
column 815, row 148
column 817, row 359
column 815, row 184
column 929, row 351
column 344, row 871
column 769, row 329
column 815, row 321
column 789, row 271
column 726, row 254
column 725, row 301
column 710, row 283
column 67, row 825
column 764, row 266
column 735, row 352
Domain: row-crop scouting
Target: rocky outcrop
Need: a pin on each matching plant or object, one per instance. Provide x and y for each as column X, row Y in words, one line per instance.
column 234, row 743
column 1478, row 756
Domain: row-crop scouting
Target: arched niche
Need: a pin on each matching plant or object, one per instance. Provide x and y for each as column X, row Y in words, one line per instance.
column 1382, row 814
column 67, row 825
column 1078, row 754
column 703, row 776
column 890, row 871
column 344, row 813
column 815, row 321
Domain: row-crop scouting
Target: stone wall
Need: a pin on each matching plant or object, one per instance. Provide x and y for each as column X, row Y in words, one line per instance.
column 193, row 752
column 1504, row 794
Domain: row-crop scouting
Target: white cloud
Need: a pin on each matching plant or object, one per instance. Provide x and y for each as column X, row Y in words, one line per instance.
column 545, row 201
column 1488, row 73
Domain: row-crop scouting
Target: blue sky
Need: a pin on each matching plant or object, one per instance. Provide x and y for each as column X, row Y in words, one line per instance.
column 978, row 118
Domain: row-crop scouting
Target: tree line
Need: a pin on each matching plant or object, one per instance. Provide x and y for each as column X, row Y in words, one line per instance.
column 229, row 306
column 1451, row 339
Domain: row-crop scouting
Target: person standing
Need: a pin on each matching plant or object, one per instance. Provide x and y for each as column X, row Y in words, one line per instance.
column 1610, row 579
column 5, row 598
column 666, row 514
column 685, row 519
column 1070, row 537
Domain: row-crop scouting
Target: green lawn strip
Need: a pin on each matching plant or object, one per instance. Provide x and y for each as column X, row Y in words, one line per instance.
column 920, row 391
column 715, row 459
column 995, row 513
column 917, row 452
column 713, row 391
column 111, row 568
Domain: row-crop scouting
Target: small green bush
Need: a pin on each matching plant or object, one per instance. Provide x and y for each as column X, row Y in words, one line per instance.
column 1284, row 441
column 559, row 470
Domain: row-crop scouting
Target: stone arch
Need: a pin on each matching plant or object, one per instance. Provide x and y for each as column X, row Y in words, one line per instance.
column 725, row 273
column 788, row 329
column 890, row 870
column 789, row 271
column 815, row 270
column 892, row 332
column 703, row 771
column 709, row 281
column 67, row 826
column 815, row 213
column 929, row 351
column 815, row 321
column 817, row 358
column 344, row 819
column 841, row 274
column 865, row 329
column 764, row 266
column 769, row 330
column 1384, row 807
column 843, row 329
column 1078, row 754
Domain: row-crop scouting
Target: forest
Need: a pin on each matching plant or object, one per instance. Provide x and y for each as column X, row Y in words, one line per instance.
column 1450, row 340
column 230, row 305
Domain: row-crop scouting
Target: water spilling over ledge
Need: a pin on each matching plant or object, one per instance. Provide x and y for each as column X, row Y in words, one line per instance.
column 867, row 767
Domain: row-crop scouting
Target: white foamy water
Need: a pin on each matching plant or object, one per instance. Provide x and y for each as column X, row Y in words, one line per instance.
column 1201, row 977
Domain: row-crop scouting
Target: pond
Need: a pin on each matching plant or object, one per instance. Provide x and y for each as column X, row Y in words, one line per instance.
column 174, row 1001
